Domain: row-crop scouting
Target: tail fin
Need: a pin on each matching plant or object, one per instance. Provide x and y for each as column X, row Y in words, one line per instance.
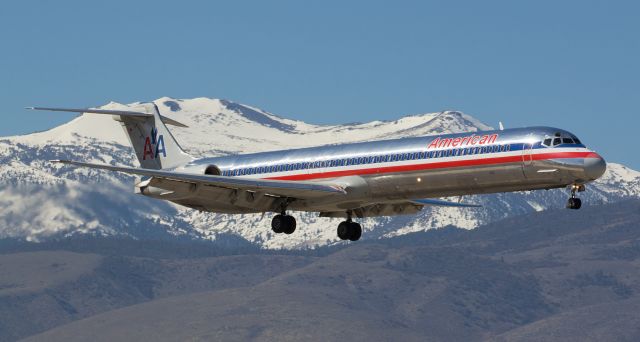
column 154, row 145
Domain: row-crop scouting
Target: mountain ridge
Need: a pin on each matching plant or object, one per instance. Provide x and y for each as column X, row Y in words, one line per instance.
column 96, row 202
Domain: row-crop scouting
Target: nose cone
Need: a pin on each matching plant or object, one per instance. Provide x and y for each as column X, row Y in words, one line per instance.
column 594, row 167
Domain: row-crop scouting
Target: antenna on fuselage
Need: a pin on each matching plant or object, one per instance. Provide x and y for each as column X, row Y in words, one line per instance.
column 500, row 125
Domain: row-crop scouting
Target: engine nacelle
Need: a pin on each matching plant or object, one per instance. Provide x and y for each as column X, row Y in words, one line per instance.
column 212, row 170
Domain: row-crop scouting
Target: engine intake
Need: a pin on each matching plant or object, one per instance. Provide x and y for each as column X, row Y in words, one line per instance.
column 212, row 170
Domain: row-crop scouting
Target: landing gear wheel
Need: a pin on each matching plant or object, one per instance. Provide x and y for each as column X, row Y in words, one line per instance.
column 290, row 224
column 574, row 203
column 355, row 231
column 348, row 230
column 283, row 224
column 278, row 223
column 343, row 230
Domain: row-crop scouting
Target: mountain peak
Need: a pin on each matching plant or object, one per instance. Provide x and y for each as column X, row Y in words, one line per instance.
column 73, row 201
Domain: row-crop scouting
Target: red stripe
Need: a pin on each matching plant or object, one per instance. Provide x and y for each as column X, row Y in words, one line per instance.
column 438, row 165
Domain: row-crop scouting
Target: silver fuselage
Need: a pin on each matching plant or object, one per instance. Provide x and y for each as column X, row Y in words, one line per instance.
column 398, row 170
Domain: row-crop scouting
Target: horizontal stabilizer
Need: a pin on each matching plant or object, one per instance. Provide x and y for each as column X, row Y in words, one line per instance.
column 127, row 113
column 292, row 189
column 441, row 203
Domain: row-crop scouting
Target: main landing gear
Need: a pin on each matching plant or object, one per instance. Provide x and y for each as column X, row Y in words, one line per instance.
column 349, row 230
column 574, row 202
column 283, row 223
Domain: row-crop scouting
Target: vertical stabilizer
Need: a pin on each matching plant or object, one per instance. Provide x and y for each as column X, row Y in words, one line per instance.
column 153, row 143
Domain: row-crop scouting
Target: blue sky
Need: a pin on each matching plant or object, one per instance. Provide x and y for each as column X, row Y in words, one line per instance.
column 571, row 64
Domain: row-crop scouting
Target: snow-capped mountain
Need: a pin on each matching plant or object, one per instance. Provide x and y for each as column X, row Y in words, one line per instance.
column 40, row 200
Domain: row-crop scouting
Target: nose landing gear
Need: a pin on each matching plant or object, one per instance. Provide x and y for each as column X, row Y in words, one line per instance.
column 574, row 202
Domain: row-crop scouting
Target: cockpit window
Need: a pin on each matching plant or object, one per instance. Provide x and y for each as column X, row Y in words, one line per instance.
column 560, row 139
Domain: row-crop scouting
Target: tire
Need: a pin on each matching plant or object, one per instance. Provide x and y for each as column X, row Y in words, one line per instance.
column 290, row 224
column 577, row 203
column 277, row 224
column 574, row 203
column 343, row 230
column 355, row 231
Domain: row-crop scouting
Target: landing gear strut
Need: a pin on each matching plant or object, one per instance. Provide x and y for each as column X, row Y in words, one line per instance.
column 574, row 202
column 349, row 230
column 283, row 223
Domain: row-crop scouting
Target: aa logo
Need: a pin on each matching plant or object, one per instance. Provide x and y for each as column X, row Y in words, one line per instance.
column 154, row 145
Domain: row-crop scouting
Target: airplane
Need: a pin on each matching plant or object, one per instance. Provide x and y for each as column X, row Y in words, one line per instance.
column 354, row 180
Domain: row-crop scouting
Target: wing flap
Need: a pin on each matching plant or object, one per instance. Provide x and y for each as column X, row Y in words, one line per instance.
column 279, row 188
column 396, row 208
column 441, row 203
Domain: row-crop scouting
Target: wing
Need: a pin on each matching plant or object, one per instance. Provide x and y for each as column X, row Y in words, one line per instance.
column 300, row 190
column 397, row 208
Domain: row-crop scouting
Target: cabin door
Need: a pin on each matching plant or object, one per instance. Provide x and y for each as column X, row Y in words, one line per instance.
column 527, row 159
